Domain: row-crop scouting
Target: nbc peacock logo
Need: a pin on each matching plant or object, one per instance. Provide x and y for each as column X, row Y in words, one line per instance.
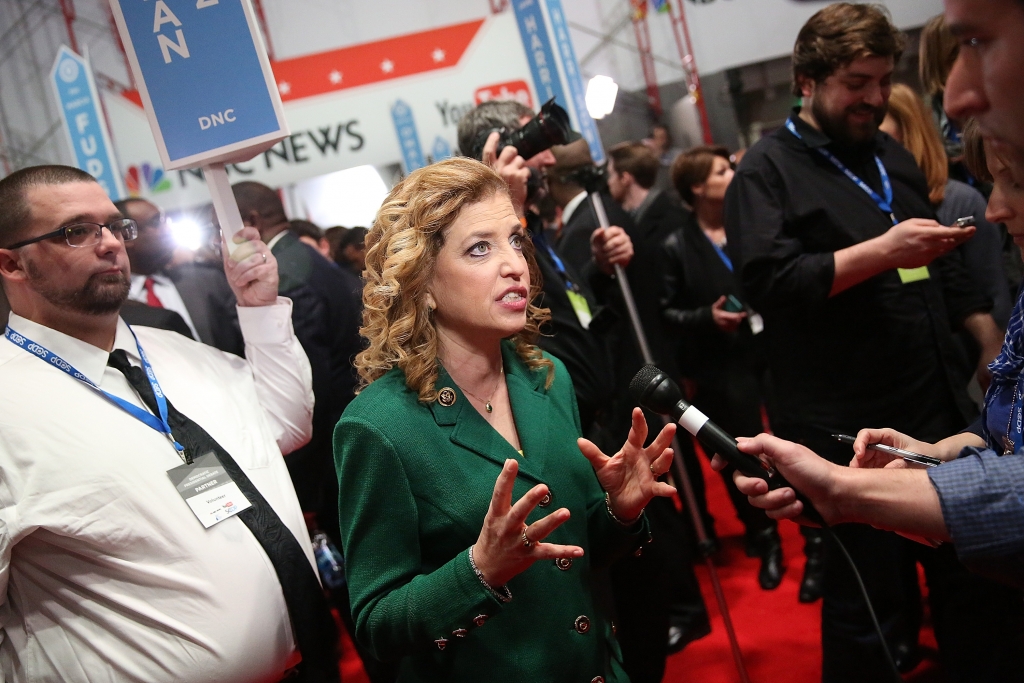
column 146, row 178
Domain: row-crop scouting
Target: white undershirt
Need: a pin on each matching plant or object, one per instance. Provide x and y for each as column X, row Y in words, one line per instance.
column 105, row 573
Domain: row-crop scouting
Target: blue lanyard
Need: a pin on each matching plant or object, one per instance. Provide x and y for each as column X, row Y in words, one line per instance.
column 884, row 204
column 721, row 253
column 539, row 238
column 159, row 424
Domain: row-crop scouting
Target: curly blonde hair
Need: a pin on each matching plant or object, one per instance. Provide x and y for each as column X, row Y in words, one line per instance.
column 401, row 253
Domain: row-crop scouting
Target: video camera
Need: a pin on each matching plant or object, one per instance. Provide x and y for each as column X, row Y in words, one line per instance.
column 549, row 127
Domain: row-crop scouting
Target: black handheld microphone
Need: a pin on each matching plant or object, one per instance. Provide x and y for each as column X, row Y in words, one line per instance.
column 656, row 391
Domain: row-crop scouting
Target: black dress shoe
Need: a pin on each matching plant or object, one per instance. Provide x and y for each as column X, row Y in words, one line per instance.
column 767, row 545
column 907, row 656
column 680, row 635
column 813, row 584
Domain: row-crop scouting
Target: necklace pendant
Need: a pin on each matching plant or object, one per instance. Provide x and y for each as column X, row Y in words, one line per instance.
column 488, row 407
column 1007, row 446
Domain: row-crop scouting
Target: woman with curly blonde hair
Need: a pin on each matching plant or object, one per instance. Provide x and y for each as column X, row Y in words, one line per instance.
column 463, row 434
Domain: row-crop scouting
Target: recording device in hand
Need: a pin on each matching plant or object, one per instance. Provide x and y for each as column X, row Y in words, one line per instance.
column 548, row 128
column 965, row 222
column 656, row 391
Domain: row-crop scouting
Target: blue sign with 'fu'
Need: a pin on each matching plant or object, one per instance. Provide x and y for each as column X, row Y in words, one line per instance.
column 84, row 124
column 205, row 75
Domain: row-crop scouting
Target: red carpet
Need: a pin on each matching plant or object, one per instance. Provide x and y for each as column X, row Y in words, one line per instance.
column 780, row 638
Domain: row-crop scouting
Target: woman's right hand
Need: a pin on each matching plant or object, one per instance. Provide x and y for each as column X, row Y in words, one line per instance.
column 726, row 321
column 870, row 458
column 499, row 552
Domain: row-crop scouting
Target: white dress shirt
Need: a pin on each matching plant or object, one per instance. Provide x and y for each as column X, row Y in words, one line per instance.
column 105, row 572
column 164, row 290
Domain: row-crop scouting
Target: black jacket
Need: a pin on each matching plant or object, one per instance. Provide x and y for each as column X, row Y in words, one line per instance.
column 138, row 314
column 326, row 315
column 574, row 243
column 585, row 353
column 205, row 291
column 695, row 276
column 655, row 221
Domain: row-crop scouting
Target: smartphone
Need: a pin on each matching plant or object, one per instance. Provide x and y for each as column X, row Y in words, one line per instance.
column 965, row 222
column 732, row 304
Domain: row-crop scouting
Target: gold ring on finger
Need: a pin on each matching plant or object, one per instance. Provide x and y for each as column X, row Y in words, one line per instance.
column 655, row 472
column 526, row 539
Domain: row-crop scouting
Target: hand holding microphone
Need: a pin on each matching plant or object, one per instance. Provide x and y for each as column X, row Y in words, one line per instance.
column 655, row 390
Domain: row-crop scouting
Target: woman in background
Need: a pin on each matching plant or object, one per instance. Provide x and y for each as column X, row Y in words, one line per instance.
column 909, row 122
column 715, row 332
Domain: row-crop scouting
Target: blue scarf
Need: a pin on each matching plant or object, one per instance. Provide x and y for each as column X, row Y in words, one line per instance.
column 1007, row 370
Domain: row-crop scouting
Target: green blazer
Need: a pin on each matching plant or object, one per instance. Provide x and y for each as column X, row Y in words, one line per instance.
column 415, row 483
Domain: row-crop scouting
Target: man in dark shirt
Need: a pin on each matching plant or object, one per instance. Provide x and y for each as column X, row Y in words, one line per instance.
column 326, row 316
column 859, row 290
column 196, row 291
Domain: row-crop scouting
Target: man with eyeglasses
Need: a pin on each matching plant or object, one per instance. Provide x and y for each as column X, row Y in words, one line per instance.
column 197, row 291
column 148, row 527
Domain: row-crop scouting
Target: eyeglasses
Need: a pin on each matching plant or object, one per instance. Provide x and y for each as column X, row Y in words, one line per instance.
column 88, row 234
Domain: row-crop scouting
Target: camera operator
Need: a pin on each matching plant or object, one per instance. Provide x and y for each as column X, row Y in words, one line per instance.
column 858, row 307
column 569, row 335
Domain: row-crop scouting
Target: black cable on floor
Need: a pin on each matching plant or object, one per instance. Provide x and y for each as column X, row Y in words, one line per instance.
column 867, row 601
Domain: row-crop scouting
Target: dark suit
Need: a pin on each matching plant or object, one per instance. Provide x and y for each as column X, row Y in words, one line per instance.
column 574, row 243
column 138, row 313
column 207, row 296
column 416, row 481
column 585, row 352
column 666, row 569
column 325, row 314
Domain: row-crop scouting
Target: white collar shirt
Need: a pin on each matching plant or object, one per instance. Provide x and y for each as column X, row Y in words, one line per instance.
column 164, row 289
column 571, row 207
column 105, row 573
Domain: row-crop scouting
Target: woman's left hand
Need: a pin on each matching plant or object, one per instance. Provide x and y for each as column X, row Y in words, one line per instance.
column 631, row 476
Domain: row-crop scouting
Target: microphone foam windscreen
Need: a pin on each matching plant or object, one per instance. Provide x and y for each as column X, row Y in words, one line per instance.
column 641, row 381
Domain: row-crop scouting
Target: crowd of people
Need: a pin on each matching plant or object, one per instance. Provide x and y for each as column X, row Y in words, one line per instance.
column 445, row 398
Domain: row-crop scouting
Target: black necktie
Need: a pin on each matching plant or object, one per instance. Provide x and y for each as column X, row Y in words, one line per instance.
column 315, row 632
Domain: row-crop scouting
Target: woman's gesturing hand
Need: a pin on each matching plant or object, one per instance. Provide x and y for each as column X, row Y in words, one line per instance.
column 501, row 552
column 631, row 476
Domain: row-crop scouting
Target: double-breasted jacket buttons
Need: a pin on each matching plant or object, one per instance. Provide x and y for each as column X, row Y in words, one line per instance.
column 460, row 633
column 563, row 563
column 480, row 619
column 597, row 679
column 546, row 500
column 582, row 624
column 441, row 643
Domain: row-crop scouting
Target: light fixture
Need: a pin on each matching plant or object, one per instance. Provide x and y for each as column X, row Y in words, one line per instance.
column 350, row 197
column 186, row 232
column 601, row 92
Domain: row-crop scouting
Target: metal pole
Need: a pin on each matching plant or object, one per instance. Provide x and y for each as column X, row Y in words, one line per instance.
column 678, row 470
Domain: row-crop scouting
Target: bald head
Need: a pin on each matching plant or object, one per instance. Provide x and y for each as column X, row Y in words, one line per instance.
column 261, row 207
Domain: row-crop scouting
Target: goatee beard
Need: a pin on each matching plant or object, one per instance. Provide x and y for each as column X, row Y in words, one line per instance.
column 102, row 294
column 839, row 131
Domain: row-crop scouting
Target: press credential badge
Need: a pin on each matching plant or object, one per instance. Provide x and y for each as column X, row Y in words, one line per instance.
column 208, row 490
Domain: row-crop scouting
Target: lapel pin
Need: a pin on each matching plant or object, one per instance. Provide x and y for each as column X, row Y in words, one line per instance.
column 446, row 397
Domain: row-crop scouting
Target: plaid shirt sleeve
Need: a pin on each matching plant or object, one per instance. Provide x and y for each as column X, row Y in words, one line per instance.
column 982, row 499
